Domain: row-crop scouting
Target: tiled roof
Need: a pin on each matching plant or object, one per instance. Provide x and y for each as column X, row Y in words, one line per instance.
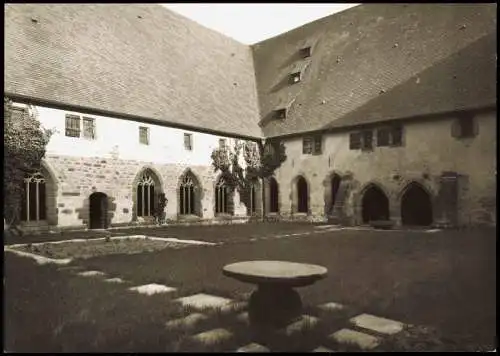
column 137, row 59
column 370, row 63
column 366, row 63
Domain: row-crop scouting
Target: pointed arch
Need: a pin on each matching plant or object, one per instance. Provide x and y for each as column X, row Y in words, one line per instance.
column 146, row 188
column 416, row 205
column 224, row 204
column 374, row 203
column 300, row 195
column 274, row 191
column 189, row 194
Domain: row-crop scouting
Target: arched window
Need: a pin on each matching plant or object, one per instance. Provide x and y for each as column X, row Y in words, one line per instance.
column 273, row 196
column 34, row 206
column 302, row 195
column 374, row 204
column 252, row 201
column 145, row 195
column 222, row 195
column 187, row 196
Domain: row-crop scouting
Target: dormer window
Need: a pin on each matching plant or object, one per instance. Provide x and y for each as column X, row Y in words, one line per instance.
column 305, row 52
column 280, row 113
column 295, row 77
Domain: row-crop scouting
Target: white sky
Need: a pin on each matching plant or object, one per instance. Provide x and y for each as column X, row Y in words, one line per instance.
column 252, row 23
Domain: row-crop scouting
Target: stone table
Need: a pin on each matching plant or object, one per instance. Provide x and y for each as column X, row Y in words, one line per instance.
column 275, row 303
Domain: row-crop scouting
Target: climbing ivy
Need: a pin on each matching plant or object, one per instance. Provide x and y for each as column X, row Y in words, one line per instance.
column 25, row 142
column 261, row 161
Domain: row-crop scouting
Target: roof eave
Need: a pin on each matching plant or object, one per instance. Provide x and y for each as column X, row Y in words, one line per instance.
column 123, row 116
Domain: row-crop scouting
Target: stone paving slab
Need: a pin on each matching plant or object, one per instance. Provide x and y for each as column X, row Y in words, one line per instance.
column 203, row 301
column 348, row 336
column 152, row 288
column 114, row 280
column 305, row 321
column 331, row 307
column 243, row 317
column 253, row 347
column 212, row 337
column 322, row 349
column 234, row 307
column 378, row 324
column 91, row 273
column 186, row 322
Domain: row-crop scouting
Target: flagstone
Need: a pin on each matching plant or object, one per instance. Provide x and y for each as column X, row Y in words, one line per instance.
column 378, row 324
column 212, row 337
column 203, row 301
column 253, row 347
column 186, row 322
column 362, row 340
column 152, row 288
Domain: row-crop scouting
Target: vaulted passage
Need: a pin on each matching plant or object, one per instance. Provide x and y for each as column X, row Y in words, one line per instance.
column 273, row 195
column 416, row 206
column 98, row 211
column 374, row 205
column 334, row 188
column 302, row 195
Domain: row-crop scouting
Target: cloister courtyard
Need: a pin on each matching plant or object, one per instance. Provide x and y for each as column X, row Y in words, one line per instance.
column 439, row 285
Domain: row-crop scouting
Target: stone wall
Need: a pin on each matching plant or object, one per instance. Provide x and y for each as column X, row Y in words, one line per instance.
column 429, row 150
column 75, row 179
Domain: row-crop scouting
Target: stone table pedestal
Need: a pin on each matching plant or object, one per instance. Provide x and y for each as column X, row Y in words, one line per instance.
column 275, row 303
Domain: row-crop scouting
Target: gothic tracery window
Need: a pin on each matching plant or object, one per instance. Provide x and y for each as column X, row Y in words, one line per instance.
column 222, row 197
column 187, row 195
column 145, row 195
column 34, row 202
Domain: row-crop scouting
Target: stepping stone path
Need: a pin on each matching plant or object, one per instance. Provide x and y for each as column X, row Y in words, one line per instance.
column 362, row 340
column 375, row 323
column 253, row 347
column 91, row 273
column 305, row 321
column 203, row 301
column 114, row 280
column 331, row 307
column 322, row 349
column 152, row 288
column 243, row 317
column 212, row 337
column 186, row 322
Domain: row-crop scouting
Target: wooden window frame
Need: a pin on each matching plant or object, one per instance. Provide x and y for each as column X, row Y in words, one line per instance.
column 146, row 130
column 72, row 130
column 188, row 141
column 364, row 140
column 85, row 128
column 355, row 141
column 307, row 145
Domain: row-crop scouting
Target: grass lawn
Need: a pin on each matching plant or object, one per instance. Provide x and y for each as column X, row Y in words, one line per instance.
column 444, row 281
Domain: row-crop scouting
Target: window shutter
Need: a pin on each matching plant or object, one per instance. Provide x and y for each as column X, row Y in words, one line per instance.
column 317, row 145
column 397, row 135
column 455, row 128
column 355, row 141
column 367, row 140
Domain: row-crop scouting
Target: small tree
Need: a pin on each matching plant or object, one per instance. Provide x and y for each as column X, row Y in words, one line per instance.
column 25, row 142
column 260, row 162
column 160, row 208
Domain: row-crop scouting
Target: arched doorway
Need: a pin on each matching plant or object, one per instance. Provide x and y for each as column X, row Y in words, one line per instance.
column 334, row 188
column 273, row 195
column 189, row 200
column 416, row 206
column 374, row 205
column 302, row 195
column 98, row 211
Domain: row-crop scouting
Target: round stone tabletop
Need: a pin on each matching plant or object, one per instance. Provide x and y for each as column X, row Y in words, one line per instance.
column 275, row 272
